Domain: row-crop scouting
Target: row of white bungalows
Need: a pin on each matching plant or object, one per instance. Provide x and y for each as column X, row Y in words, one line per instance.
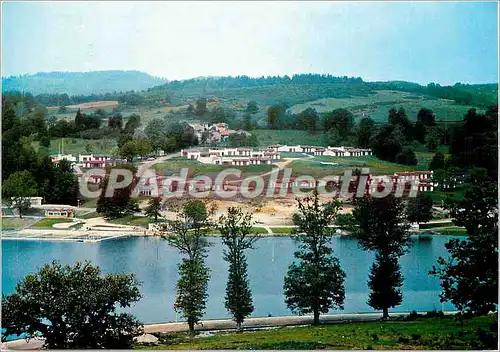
column 347, row 151
column 298, row 149
column 232, row 156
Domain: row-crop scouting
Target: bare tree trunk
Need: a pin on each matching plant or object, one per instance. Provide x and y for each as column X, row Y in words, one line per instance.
column 238, row 326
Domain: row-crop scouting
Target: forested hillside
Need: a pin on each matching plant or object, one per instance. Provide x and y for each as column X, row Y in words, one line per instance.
column 81, row 83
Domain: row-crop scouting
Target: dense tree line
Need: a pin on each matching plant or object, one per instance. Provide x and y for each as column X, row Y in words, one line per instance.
column 28, row 170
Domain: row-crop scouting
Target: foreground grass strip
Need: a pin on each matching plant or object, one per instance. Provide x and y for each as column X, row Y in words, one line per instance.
column 422, row 333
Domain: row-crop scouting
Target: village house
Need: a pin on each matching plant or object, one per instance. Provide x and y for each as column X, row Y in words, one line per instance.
column 57, row 158
column 318, row 151
column 94, row 160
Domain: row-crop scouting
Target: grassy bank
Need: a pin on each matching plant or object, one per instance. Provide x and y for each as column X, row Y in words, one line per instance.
column 132, row 220
column 418, row 333
column 47, row 223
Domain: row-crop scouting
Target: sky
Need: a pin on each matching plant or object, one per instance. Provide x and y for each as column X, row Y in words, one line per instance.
column 422, row 42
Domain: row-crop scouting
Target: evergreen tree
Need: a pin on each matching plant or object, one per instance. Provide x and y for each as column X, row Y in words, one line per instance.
column 79, row 121
column 316, row 284
column 385, row 283
column 191, row 290
column 380, row 225
column 235, row 229
column 189, row 230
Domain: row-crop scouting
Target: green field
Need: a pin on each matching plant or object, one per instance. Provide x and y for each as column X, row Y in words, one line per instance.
column 314, row 167
column 173, row 166
column 420, row 333
column 439, row 197
column 383, row 97
column 377, row 105
column 290, row 137
column 48, row 222
column 77, row 146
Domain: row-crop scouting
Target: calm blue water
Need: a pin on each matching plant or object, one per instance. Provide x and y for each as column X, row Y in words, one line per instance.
column 155, row 264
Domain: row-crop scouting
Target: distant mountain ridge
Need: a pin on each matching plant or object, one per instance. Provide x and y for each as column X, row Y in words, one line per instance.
column 81, row 83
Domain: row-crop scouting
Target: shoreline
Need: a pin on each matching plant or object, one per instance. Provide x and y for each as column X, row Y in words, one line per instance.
column 277, row 321
column 84, row 237
column 255, row 323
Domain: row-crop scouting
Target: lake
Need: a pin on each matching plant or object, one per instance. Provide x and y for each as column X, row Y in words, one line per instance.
column 155, row 264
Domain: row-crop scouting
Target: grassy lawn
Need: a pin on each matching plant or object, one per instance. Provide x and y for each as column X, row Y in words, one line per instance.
column 173, row 165
column 89, row 203
column 290, row 137
column 48, row 222
column 77, row 146
column 421, row 333
column 315, row 168
column 438, row 197
column 132, row 220
column 14, row 223
column 92, row 214
column 282, row 230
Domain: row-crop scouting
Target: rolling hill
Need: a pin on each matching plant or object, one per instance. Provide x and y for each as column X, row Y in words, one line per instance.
column 81, row 83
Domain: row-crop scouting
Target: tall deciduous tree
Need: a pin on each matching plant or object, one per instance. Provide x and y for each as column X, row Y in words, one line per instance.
column 426, row 116
column 189, row 230
column 419, row 208
column 469, row 278
column 235, row 229
column 120, row 203
column 340, row 119
column 17, row 189
column 364, row 132
column 73, row 307
column 316, row 283
column 154, row 207
column 133, row 121
column 381, row 226
column 252, row 107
